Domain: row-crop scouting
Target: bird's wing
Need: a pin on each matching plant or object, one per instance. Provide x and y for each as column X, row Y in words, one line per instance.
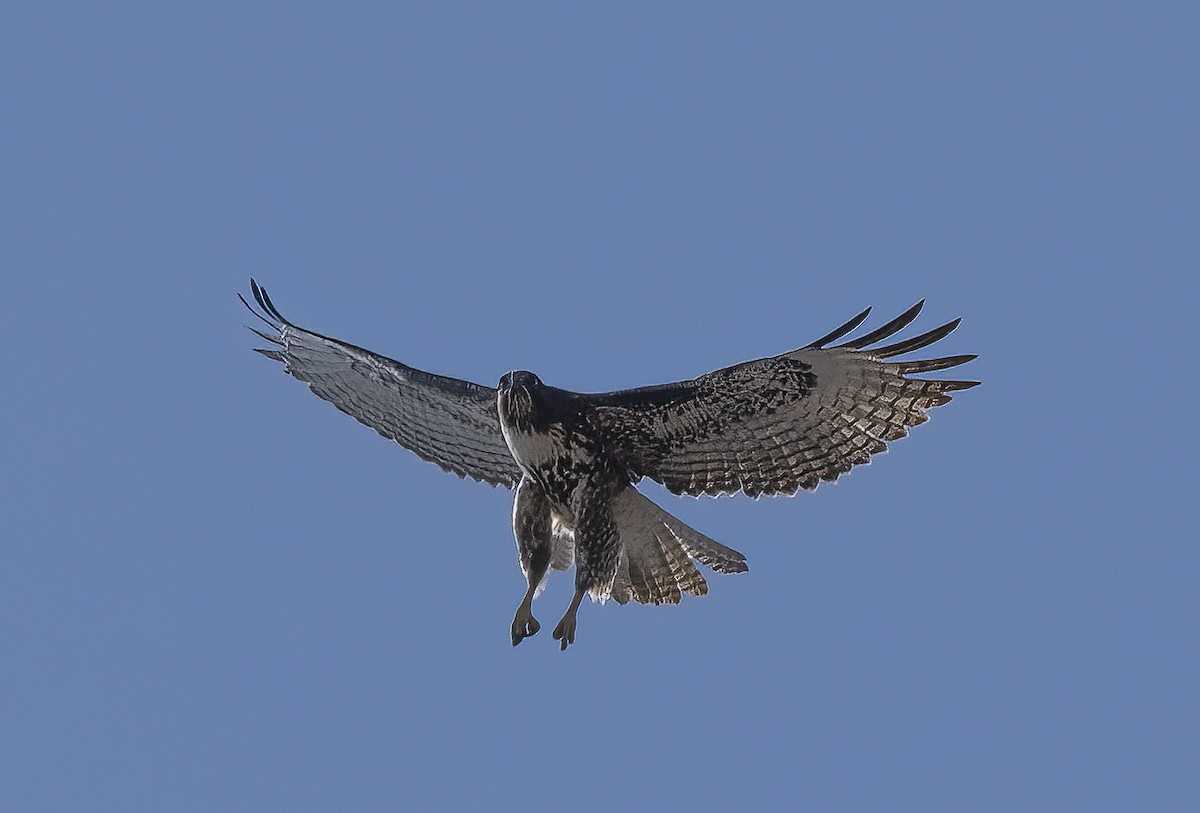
column 779, row 424
column 443, row 420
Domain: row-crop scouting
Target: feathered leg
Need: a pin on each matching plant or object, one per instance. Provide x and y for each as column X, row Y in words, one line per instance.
column 597, row 552
column 531, row 527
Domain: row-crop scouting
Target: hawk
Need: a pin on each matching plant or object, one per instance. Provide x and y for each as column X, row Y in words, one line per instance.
column 766, row 427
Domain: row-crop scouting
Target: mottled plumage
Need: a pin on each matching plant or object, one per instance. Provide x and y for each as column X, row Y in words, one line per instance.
column 764, row 427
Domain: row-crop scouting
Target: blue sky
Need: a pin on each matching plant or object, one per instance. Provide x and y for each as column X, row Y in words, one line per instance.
column 218, row 593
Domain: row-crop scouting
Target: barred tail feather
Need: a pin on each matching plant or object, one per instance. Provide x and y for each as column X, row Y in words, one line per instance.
column 657, row 550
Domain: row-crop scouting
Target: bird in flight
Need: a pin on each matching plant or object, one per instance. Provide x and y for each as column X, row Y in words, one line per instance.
column 771, row 426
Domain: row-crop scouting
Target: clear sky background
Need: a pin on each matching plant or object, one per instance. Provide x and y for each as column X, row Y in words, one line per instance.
column 218, row 593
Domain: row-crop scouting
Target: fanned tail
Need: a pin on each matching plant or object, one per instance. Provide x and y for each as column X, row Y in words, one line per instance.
column 657, row 550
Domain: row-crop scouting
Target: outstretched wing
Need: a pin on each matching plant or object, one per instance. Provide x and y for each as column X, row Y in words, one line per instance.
column 779, row 424
column 444, row 420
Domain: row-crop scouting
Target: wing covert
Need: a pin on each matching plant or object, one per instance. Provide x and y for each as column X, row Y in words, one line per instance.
column 779, row 424
column 446, row 421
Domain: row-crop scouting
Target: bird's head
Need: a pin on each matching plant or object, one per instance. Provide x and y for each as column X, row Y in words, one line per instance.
column 519, row 378
column 518, row 398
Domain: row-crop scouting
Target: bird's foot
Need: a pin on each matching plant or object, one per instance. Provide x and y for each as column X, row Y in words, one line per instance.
column 565, row 631
column 524, row 625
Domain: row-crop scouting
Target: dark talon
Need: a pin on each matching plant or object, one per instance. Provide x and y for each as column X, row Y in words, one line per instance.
column 524, row 625
column 565, row 631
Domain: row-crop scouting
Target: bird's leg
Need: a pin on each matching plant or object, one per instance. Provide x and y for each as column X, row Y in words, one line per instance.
column 531, row 527
column 524, row 624
column 597, row 549
column 565, row 631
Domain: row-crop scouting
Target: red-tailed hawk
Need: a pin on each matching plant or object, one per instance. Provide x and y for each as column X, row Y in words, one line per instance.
column 765, row 427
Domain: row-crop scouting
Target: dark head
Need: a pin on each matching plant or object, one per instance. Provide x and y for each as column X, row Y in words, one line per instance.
column 518, row 399
column 519, row 378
